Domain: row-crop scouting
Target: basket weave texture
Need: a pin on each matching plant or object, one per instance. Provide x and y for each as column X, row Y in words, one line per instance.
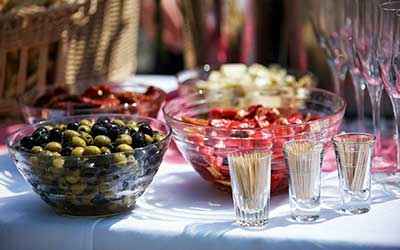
column 77, row 43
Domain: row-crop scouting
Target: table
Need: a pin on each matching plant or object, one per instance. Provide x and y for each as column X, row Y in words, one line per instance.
column 181, row 211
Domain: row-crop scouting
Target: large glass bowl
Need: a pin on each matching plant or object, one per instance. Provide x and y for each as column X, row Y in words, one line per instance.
column 190, row 81
column 148, row 107
column 90, row 185
column 206, row 147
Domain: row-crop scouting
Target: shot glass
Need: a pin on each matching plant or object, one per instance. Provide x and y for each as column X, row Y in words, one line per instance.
column 251, row 184
column 303, row 159
column 354, row 153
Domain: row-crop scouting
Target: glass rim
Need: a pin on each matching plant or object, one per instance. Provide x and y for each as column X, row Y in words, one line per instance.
column 13, row 145
column 371, row 138
column 170, row 117
column 266, row 153
column 313, row 142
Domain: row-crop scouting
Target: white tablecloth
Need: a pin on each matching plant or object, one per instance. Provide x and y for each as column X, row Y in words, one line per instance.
column 181, row 211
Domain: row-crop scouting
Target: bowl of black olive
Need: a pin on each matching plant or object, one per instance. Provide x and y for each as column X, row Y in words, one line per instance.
column 91, row 165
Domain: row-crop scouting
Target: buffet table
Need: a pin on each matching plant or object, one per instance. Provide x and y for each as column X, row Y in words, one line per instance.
column 181, row 211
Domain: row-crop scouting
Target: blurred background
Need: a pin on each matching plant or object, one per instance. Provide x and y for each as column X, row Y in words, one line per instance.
column 164, row 37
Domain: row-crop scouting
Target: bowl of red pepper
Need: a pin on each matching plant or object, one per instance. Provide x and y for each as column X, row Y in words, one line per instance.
column 122, row 98
column 206, row 128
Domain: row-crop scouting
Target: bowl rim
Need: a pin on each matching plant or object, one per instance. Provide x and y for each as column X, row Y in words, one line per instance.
column 23, row 104
column 12, row 146
column 325, row 118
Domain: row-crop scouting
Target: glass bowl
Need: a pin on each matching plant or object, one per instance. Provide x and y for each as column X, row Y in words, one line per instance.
column 206, row 148
column 34, row 113
column 98, row 185
column 193, row 80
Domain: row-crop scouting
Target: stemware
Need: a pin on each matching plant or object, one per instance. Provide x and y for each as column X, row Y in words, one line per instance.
column 364, row 17
column 331, row 20
column 388, row 47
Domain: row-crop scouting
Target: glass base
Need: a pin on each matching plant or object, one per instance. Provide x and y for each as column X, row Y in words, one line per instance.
column 391, row 184
column 362, row 210
column 251, row 219
column 305, row 218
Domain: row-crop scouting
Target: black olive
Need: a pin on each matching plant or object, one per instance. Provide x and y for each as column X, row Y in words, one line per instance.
column 41, row 139
column 27, row 142
column 113, row 131
column 66, row 151
column 73, row 126
column 103, row 120
column 55, row 135
column 98, row 130
column 138, row 140
column 40, row 130
column 145, row 129
column 112, row 147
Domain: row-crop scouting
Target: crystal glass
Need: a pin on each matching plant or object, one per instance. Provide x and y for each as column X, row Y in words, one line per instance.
column 332, row 24
column 389, row 61
column 251, row 185
column 304, row 159
column 365, row 20
column 354, row 155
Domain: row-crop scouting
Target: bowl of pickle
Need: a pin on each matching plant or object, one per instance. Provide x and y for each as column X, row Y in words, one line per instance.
column 53, row 102
column 90, row 165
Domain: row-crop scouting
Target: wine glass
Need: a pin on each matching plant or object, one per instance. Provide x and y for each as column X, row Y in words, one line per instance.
column 365, row 15
column 388, row 55
column 331, row 20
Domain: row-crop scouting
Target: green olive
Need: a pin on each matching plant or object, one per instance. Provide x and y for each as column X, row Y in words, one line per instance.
column 124, row 139
column 84, row 128
column 36, row 149
column 78, row 188
column 78, row 141
column 34, row 161
column 72, row 179
column 54, row 146
column 48, row 127
column 124, row 148
column 148, row 138
column 87, row 137
column 61, row 126
column 119, row 122
column 158, row 137
column 132, row 125
column 62, row 184
column 105, row 150
column 58, row 163
column 120, row 159
column 70, row 133
column 85, row 122
column 78, row 151
column 92, row 150
column 102, row 140
column 104, row 187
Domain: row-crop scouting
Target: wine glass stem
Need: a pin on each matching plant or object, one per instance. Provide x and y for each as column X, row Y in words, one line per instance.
column 359, row 87
column 375, row 94
column 336, row 76
column 396, row 109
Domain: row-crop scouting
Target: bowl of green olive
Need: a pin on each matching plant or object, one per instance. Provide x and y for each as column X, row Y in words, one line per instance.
column 91, row 165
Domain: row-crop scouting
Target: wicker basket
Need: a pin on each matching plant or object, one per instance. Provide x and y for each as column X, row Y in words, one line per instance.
column 85, row 42
column 103, row 46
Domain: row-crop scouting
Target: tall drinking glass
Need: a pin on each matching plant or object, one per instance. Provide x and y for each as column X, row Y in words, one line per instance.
column 389, row 60
column 251, row 183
